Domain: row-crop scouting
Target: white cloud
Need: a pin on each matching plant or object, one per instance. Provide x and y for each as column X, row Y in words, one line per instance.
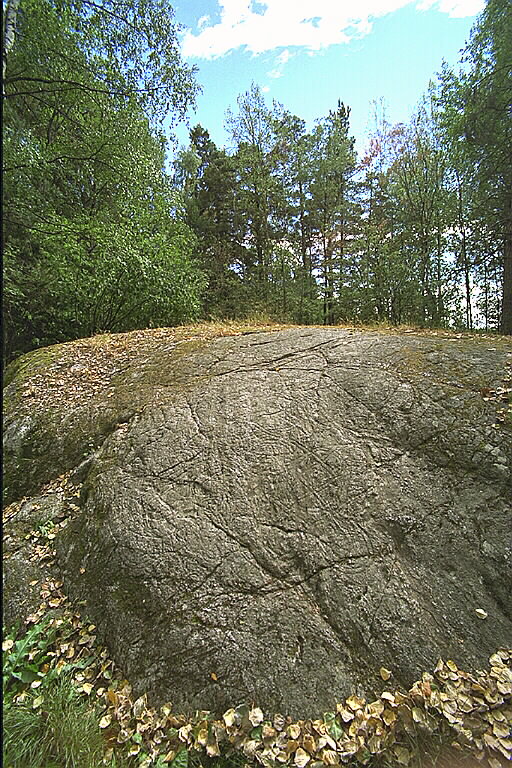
column 283, row 58
column 312, row 24
column 454, row 8
column 203, row 22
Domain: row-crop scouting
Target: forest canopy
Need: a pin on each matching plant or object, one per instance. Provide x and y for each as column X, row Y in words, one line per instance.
column 94, row 238
column 102, row 233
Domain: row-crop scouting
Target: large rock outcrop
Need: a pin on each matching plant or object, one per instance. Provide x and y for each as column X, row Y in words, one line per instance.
column 282, row 514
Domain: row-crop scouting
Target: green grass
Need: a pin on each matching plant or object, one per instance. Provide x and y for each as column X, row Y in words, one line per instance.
column 62, row 733
column 47, row 721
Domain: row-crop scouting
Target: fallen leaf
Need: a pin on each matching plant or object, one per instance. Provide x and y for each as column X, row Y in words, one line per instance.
column 481, row 613
column 389, row 717
column 124, row 735
column 506, row 743
column 350, row 748
column 355, row 703
column 385, row 673
column 212, row 750
column 330, row 757
column 184, row 732
column 229, row 717
column 105, row 721
column 202, row 737
column 139, row 706
column 376, row 708
column 375, row 744
column 256, row 716
column 301, row 758
column 250, row 747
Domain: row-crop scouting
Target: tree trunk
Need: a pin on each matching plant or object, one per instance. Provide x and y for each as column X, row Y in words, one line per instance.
column 439, row 294
column 11, row 11
column 464, row 255
column 506, row 305
column 306, row 262
column 486, row 298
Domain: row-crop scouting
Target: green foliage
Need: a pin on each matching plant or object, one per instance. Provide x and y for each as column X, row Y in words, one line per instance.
column 24, row 657
column 181, row 760
column 333, row 161
column 94, row 235
column 90, row 275
column 418, row 232
column 123, row 48
column 258, row 191
column 474, row 121
column 97, row 237
column 270, row 218
column 207, row 177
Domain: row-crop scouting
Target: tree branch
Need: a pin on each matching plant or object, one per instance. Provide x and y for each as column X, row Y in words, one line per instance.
column 102, row 9
column 70, row 86
column 57, row 159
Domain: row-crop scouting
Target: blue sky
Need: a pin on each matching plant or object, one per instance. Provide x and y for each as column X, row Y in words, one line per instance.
column 307, row 54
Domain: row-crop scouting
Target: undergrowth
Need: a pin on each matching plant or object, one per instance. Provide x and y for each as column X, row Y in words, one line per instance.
column 47, row 723
column 62, row 733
